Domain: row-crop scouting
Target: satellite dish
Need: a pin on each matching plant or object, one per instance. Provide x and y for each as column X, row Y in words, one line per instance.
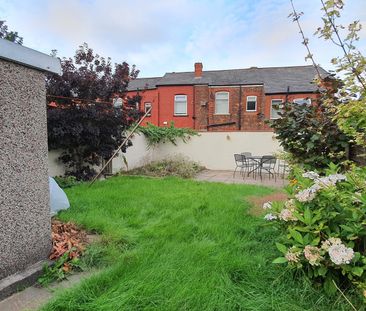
column 117, row 102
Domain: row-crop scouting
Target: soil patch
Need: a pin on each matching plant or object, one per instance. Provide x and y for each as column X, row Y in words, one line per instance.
column 257, row 202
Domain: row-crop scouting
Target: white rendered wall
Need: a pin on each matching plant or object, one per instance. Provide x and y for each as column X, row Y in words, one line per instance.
column 214, row 150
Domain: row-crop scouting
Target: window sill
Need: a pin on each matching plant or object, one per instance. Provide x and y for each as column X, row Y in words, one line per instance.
column 221, row 114
column 251, row 110
column 180, row 115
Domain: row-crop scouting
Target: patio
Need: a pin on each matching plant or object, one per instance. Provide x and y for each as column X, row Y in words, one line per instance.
column 226, row 176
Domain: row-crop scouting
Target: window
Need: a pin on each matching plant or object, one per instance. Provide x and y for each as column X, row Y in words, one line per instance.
column 147, row 107
column 180, row 105
column 302, row 101
column 222, row 103
column 276, row 107
column 251, row 103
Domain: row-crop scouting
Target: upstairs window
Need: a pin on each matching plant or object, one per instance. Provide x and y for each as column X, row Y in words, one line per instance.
column 302, row 101
column 147, row 107
column 222, row 103
column 180, row 105
column 276, row 107
column 251, row 103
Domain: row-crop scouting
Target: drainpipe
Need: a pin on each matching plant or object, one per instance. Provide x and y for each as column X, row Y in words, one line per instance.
column 158, row 108
column 287, row 92
column 194, row 107
column 240, row 108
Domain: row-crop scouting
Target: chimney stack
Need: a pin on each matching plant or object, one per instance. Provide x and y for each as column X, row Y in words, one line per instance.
column 198, row 70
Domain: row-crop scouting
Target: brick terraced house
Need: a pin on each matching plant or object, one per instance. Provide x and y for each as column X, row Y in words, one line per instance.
column 224, row 100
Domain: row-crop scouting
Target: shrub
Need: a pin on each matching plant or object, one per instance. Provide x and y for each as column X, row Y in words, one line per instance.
column 322, row 227
column 310, row 134
column 66, row 181
column 178, row 166
column 155, row 134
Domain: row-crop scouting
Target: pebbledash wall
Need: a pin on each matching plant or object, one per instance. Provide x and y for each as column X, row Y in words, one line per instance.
column 214, row 150
column 25, row 220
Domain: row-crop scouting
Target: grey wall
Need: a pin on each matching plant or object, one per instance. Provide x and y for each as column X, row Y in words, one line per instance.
column 24, row 195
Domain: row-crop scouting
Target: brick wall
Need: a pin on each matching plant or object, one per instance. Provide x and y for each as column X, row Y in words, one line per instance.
column 201, row 107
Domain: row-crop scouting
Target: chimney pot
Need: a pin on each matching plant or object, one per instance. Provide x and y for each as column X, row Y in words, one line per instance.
column 198, row 70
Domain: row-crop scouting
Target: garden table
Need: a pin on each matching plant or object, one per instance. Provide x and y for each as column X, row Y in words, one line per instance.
column 257, row 160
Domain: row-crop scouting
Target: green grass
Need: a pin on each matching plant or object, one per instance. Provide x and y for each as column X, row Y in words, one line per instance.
column 175, row 244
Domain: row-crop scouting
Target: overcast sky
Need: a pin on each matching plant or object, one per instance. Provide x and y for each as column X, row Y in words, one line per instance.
column 170, row 35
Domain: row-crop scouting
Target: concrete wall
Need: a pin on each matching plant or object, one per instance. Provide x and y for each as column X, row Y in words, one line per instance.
column 25, row 223
column 216, row 150
column 212, row 150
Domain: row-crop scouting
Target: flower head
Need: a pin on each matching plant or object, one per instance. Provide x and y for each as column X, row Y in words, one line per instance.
column 292, row 256
column 270, row 217
column 312, row 254
column 340, row 254
column 306, row 195
column 310, row 175
column 267, row 205
column 287, row 215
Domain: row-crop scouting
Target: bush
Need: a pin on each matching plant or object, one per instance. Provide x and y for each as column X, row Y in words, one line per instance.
column 322, row 227
column 66, row 181
column 310, row 134
column 178, row 166
column 155, row 134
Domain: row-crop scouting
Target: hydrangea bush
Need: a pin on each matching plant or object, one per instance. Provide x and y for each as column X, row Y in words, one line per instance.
column 323, row 227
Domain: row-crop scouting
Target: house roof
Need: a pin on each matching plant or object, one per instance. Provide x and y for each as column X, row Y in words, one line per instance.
column 28, row 57
column 274, row 79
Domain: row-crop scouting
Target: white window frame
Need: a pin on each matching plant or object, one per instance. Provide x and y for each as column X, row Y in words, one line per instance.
column 255, row 100
column 180, row 101
column 272, row 100
column 227, row 112
column 302, row 101
column 147, row 105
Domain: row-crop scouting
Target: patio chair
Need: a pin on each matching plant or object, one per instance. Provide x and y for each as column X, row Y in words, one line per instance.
column 242, row 163
column 268, row 164
column 282, row 168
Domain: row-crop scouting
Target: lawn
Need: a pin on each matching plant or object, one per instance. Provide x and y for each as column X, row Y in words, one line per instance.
column 175, row 244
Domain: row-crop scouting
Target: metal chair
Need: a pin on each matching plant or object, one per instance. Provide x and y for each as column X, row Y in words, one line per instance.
column 242, row 163
column 283, row 168
column 268, row 164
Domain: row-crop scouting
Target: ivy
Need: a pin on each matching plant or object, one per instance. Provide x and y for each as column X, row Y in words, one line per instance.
column 156, row 135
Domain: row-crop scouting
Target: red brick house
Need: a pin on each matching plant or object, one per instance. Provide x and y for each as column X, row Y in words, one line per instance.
column 224, row 100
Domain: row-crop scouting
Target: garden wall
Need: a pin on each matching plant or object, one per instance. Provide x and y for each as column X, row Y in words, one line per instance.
column 214, row 150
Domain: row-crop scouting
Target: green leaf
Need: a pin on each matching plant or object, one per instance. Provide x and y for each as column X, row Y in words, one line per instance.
column 297, row 236
column 307, row 216
column 282, row 248
column 357, row 271
column 322, row 271
column 280, row 260
column 329, row 287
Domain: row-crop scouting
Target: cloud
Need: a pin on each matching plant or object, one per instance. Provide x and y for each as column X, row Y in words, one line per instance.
column 170, row 35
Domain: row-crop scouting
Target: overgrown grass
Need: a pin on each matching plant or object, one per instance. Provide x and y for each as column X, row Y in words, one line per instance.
column 176, row 244
column 178, row 166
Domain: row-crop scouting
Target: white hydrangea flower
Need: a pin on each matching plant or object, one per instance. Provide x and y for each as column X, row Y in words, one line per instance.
column 267, row 205
column 287, row 215
column 306, row 195
column 290, row 204
column 270, row 217
column 292, row 256
column 310, row 175
column 312, row 254
column 340, row 254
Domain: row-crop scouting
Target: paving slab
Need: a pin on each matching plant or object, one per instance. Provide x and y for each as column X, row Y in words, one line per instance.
column 32, row 298
column 228, row 177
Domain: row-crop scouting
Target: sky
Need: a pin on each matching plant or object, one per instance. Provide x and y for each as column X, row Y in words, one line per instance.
column 160, row 36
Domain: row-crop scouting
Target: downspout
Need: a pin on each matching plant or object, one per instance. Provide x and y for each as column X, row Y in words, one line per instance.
column 240, row 108
column 287, row 93
column 194, row 107
column 158, row 108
